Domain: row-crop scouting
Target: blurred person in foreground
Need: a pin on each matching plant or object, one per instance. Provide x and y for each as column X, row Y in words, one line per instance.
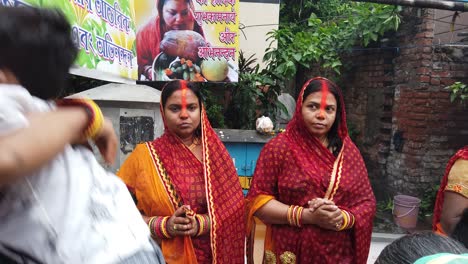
column 57, row 205
column 423, row 248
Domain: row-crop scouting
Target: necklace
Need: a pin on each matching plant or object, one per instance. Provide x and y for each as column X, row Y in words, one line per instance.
column 195, row 143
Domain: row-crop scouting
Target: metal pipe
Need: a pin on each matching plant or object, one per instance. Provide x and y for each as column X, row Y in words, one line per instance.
column 436, row 4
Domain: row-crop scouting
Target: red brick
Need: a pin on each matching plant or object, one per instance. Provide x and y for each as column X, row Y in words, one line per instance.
column 423, row 70
column 426, row 63
column 435, row 81
column 440, row 74
column 424, row 78
column 446, row 81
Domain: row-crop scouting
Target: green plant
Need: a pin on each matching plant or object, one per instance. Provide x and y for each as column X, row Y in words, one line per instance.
column 255, row 94
column 385, row 206
column 458, row 91
column 214, row 110
column 318, row 32
column 426, row 208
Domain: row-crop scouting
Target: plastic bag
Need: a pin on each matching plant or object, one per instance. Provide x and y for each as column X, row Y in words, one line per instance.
column 264, row 125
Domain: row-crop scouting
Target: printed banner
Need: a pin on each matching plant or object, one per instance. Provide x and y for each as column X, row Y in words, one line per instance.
column 194, row 40
column 104, row 31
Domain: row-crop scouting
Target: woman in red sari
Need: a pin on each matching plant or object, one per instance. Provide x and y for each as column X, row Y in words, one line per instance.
column 452, row 198
column 172, row 15
column 186, row 185
column 311, row 187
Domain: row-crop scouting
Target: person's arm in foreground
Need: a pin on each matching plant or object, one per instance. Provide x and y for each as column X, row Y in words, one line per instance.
column 454, row 205
column 27, row 149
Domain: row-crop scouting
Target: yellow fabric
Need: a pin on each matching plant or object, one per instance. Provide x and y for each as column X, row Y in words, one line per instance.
column 458, row 178
column 252, row 207
column 139, row 173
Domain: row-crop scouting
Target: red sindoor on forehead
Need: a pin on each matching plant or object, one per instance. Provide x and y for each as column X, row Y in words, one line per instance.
column 183, row 85
column 323, row 102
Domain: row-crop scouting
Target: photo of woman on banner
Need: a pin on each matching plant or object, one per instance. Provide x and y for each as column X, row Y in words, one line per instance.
column 172, row 33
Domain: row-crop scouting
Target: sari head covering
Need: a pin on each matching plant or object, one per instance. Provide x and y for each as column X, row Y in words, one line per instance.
column 294, row 168
column 174, row 169
column 461, row 154
column 150, row 36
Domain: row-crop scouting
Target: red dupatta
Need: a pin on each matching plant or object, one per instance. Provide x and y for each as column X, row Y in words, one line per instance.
column 222, row 188
column 461, row 154
column 295, row 168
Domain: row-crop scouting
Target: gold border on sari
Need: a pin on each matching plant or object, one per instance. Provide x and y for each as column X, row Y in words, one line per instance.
column 335, row 177
column 209, row 187
column 166, row 181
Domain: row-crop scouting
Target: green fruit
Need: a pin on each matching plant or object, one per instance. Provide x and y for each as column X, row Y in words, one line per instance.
column 214, row 70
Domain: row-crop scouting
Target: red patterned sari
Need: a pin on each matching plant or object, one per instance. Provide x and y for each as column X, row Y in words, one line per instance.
column 461, row 154
column 294, row 168
column 164, row 174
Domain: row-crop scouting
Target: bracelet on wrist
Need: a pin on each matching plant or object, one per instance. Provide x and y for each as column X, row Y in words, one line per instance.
column 95, row 116
column 348, row 220
column 294, row 215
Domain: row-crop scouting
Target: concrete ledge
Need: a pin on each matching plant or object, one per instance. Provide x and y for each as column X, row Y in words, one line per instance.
column 385, row 237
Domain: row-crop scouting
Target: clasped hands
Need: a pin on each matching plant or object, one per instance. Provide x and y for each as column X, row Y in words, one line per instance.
column 182, row 223
column 323, row 213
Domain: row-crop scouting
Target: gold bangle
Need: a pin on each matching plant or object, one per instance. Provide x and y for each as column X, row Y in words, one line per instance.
column 96, row 118
column 164, row 227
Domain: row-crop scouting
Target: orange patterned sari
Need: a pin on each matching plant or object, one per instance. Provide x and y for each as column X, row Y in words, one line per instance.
column 444, row 186
column 294, row 168
column 164, row 174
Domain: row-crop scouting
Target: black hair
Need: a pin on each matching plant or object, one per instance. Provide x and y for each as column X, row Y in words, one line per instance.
column 460, row 232
column 408, row 249
column 36, row 46
column 334, row 141
column 172, row 86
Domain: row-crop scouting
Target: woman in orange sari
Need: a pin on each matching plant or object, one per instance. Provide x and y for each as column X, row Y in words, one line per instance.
column 452, row 198
column 186, row 185
column 311, row 187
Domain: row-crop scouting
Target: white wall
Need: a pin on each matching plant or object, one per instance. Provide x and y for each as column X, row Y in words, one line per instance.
column 257, row 14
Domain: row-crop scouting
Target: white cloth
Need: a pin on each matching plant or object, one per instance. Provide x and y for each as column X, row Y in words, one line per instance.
column 69, row 211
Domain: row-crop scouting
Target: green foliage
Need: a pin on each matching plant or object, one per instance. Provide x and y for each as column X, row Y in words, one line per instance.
column 214, row 110
column 385, row 206
column 458, row 91
column 256, row 93
column 428, row 201
column 331, row 28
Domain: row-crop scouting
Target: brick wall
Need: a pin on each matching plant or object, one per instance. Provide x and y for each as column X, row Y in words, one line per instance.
column 395, row 98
